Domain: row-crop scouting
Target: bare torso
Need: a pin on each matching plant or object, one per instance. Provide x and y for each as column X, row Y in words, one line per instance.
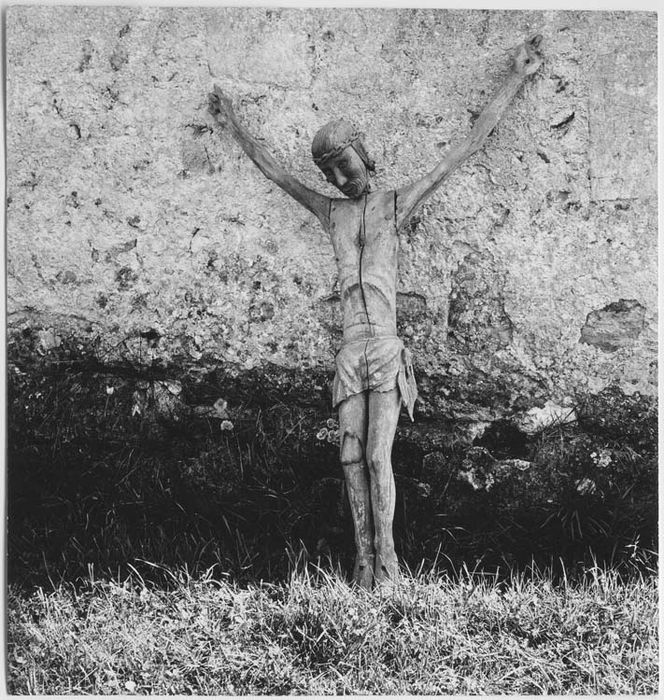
column 364, row 237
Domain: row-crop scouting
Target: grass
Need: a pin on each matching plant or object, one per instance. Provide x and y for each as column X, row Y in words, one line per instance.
column 314, row 635
column 98, row 490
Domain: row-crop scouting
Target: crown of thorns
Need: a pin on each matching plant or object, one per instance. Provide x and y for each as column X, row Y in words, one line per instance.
column 329, row 137
column 337, row 150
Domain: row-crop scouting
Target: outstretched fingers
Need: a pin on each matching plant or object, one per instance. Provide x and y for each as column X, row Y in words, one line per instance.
column 219, row 104
column 528, row 57
column 220, row 94
column 534, row 41
column 533, row 47
column 213, row 104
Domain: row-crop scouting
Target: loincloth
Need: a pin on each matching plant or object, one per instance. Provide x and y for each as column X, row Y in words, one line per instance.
column 374, row 364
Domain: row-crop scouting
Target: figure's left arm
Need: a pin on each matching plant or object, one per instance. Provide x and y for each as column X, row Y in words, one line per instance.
column 527, row 60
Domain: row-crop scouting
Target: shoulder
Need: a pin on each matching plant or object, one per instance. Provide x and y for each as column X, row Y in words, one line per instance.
column 379, row 204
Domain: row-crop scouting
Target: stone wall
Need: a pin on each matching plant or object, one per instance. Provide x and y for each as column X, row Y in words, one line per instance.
column 136, row 226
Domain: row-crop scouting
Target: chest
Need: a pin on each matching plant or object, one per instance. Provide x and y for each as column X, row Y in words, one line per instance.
column 368, row 222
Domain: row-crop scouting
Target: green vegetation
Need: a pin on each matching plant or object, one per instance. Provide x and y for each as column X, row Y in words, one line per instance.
column 315, row 635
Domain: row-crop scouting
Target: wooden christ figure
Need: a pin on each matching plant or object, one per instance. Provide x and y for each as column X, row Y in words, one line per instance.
column 374, row 375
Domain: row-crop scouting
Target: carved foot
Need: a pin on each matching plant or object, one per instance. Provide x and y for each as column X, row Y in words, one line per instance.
column 363, row 572
column 386, row 569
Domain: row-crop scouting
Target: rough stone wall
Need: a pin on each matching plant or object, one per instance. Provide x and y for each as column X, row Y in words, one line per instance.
column 137, row 225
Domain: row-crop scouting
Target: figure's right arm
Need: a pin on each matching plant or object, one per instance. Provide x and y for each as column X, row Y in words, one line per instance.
column 221, row 108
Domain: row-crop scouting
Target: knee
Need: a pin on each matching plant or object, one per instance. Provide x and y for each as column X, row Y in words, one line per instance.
column 378, row 461
column 351, row 449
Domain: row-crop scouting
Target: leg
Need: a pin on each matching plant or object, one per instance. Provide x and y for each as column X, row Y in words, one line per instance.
column 384, row 407
column 353, row 432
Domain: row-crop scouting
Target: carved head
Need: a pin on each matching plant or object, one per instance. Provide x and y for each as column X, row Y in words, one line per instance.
column 338, row 151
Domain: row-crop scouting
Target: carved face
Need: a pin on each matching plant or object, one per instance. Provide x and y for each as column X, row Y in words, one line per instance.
column 347, row 172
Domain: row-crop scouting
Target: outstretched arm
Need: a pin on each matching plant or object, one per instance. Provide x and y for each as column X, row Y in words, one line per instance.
column 221, row 108
column 526, row 62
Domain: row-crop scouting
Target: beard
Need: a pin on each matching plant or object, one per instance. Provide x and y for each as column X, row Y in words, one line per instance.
column 355, row 187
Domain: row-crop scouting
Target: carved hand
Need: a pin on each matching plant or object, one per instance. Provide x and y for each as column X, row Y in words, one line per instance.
column 220, row 106
column 528, row 57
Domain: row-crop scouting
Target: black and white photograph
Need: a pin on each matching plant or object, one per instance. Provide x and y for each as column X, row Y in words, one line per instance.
column 331, row 351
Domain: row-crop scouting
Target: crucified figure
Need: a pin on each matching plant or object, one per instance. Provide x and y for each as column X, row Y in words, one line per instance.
column 374, row 375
